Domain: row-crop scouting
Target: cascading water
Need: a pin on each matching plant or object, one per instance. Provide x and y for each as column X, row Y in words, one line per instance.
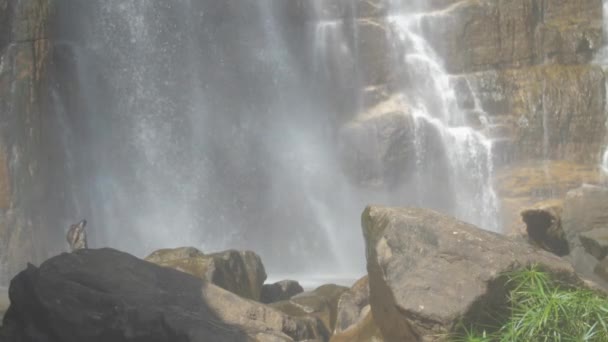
column 434, row 100
column 214, row 124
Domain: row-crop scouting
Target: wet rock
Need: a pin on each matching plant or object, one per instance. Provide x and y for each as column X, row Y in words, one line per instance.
column 544, row 227
column 364, row 330
column 240, row 272
column 282, row 290
column 355, row 321
column 322, row 303
column 106, row 295
column 596, row 242
column 484, row 35
column 601, row 270
column 352, row 304
column 585, row 209
column 427, row 271
column 525, row 185
column 542, row 118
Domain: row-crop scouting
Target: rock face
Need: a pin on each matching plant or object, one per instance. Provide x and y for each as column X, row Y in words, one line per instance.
column 544, row 227
column 321, row 303
column 25, row 145
column 106, row 295
column 585, row 223
column 482, row 35
column 355, row 322
column 427, row 271
column 540, row 117
column 240, row 272
column 282, row 290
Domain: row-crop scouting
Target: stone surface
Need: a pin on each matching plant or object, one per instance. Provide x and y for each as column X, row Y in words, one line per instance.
column 427, row 270
column 25, row 56
column 365, row 330
column 481, row 35
column 240, row 272
column 353, row 305
column 282, row 290
column 596, row 242
column 103, row 295
column 355, row 321
column 321, row 303
column 524, row 185
column 547, row 112
column 544, row 227
column 4, row 303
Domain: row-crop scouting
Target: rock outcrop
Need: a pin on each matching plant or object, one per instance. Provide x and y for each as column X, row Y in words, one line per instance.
column 482, row 35
column 279, row 291
column 585, row 223
column 106, row 295
column 240, row 272
column 355, row 322
column 427, row 271
column 544, row 227
column 321, row 303
column 25, row 60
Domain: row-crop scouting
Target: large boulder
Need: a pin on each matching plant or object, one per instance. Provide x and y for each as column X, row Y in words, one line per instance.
column 427, row 271
column 240, row 272
column 106, row 295
column 321, row 303
column 282, row 290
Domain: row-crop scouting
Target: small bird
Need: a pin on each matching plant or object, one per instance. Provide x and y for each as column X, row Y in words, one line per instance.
column 77, row 236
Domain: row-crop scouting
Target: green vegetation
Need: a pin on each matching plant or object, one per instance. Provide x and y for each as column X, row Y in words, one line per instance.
column 543, row 309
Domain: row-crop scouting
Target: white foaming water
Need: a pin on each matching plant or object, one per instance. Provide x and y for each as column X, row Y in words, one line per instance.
column 434, row 100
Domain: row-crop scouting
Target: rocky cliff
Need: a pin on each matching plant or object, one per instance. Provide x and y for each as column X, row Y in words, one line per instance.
column 25, row 51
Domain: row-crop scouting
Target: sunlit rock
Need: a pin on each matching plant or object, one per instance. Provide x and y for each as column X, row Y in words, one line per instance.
column 549, row 112
column 485, row 35
column 240, row 272
column 427, row 271
column 321, row 303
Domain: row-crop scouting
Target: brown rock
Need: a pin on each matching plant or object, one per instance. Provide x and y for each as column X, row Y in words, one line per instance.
column 352, row 304
column 241, row 272
column 549, row 112
column 596, row 242
column 544, row 227
column 321, row 303
column 427, row 270
column 365, row 330
column 524, row 185
column 485, row 35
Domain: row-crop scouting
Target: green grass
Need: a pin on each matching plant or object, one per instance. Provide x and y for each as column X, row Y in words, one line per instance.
column 544, row 310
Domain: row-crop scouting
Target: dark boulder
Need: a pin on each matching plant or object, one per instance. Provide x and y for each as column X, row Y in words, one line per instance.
column 106, row 295
column 282, row 290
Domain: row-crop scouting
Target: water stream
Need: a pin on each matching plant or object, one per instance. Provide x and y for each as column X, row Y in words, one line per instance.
column 215, row 124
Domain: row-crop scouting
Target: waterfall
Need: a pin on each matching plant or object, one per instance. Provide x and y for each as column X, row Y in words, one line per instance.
column 433, row 97
column 214, row 125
